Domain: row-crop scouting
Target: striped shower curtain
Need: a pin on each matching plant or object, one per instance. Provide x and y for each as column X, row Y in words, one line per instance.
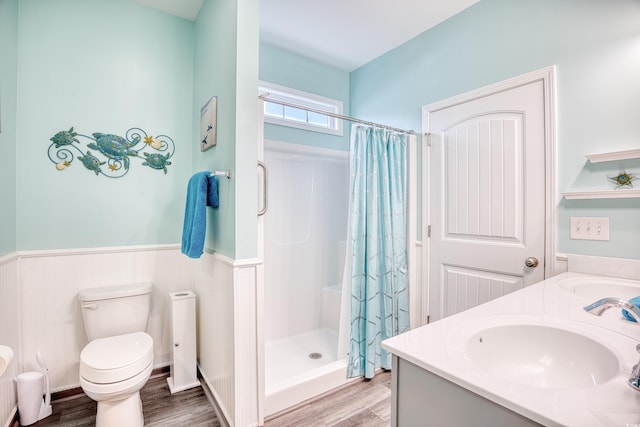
column 378, row 241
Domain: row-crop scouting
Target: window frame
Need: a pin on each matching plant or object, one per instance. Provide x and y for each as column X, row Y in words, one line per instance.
column 303, row 99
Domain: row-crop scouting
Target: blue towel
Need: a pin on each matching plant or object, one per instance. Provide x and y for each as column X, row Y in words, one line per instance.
column 195, row 215
column 212, row 192
column 635, row 301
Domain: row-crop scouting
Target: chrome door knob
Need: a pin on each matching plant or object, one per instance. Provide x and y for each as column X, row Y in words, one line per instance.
column 531, row 262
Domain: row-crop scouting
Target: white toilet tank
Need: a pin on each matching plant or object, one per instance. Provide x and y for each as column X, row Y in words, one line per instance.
column 115, row 310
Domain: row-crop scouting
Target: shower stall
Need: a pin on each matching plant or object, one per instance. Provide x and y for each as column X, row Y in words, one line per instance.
column 305, row 230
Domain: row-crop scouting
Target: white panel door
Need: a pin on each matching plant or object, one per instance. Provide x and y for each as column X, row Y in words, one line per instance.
column 487, row 197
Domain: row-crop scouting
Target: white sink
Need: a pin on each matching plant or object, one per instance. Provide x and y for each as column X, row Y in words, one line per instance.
column 542, row 356
column 600, row 288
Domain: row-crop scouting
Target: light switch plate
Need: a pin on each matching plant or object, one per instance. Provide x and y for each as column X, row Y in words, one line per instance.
column 589, row 228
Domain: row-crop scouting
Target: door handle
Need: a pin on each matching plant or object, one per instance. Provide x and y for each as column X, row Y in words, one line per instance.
column 531, row 262
column 265, row 183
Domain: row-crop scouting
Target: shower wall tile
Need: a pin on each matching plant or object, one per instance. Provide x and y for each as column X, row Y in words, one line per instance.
column 331, row 301
column 304, row 236
column 9, row 334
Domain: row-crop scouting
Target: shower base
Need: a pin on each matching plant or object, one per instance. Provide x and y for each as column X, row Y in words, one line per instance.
column 294, row 372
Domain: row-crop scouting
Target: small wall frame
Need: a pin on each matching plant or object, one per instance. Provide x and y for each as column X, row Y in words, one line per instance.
column 208, row 124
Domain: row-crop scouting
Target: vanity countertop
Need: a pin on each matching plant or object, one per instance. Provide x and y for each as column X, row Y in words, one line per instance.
column 440, row 348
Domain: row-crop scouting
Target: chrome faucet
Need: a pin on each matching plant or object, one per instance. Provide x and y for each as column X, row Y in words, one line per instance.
column 602, row 305
column 634, row 380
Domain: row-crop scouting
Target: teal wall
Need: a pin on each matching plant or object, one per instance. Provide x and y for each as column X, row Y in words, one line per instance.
column 106, row 66
column 596, row 47
column 8, row 82
column 214, row 75
column 294, row 71
column 247, row 126
column 100, row 66
column 226, row 66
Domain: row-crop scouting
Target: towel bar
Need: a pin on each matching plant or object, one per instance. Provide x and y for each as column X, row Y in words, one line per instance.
column 226, row 173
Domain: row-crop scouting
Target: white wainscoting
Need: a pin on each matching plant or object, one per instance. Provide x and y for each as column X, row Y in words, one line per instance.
column 214, row 287
column 418, row 302
column 39, row 311
column 227, row 338
column 9, row 334
column 50, row 314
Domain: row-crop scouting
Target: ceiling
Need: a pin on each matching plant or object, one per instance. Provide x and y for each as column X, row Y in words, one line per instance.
column 187, row 9
column 349, row 33
column 342, row 33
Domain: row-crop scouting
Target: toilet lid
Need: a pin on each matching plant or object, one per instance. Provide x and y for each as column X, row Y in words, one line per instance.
column 113, row 359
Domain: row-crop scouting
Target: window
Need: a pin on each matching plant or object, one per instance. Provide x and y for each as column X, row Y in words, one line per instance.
column 300, row 118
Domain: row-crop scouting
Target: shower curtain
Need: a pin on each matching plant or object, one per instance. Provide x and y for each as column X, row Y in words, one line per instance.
column 378, row 246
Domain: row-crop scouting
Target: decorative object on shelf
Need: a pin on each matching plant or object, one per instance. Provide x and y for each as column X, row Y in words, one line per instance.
column 623, row 179
column 208, row 124
column 113, row 150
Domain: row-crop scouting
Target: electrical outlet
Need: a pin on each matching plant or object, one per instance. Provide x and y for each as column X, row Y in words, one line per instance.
column 589, row 228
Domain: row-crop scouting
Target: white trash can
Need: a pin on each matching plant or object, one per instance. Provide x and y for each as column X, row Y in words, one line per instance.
column 30, row 395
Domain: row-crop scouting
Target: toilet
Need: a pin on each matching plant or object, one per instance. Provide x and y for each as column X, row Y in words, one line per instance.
column 117, row 361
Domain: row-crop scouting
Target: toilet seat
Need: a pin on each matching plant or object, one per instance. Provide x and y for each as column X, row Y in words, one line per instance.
column 114, row 359
column 116, row 391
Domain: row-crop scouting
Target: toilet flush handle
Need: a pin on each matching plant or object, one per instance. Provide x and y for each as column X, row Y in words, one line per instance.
column 90, row 306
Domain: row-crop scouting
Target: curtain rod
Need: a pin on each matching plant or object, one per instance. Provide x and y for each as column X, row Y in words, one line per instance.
column 264, row 97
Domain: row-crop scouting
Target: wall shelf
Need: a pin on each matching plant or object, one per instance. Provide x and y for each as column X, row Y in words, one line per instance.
column 612, row 156
column 602, row 194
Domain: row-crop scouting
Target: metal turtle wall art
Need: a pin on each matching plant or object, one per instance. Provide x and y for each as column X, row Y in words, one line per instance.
column 156, row 161
column 91, row 162
column 114, row 147
column 112, row 150
column 64, row 137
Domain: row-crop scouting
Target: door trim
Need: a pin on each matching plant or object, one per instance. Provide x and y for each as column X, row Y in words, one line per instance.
column 547, row 77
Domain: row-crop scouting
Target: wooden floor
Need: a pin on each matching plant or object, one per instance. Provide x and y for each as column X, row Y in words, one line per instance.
column 364, row 403
column 187, row 408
